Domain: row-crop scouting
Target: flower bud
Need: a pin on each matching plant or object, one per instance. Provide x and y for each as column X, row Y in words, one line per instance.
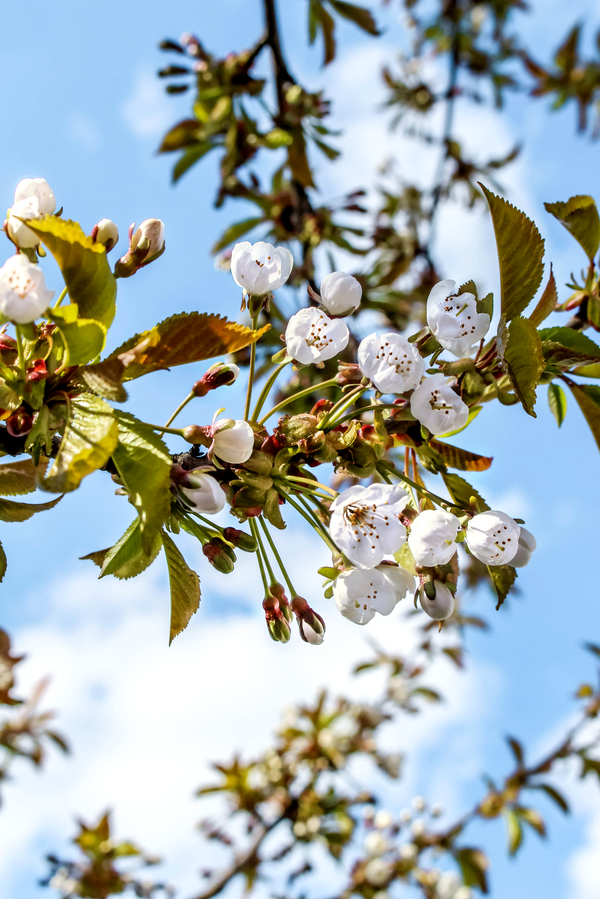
column 233, row 441
column 23, row 293
column 203, row 491
column 310, row 623
column 198, row 435
column 349, row 373
column 432, row 538
column 222, row 374
column 37, row 371
column 106, row 233
column 33, row 199
column 220, row 555
column 146, row 245
column 493, row 538
column 19, row 423
column 527, row 545
column 260, row 268
column 340, row 293
column 277, row 622
column 436, row 600
column 240, row 539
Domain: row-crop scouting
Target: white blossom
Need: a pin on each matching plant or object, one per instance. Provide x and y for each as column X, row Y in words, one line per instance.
column 151, row 236
column 376, row 844
column 23, row 292
column 41, row 190
column 311, row 336
column 383, row 819
column 365, row 525
column 432, row 537
column 233, row 441
column 206, row 494
column 441, row 607
column 419, row 804
column 340, row 293
column 260, row 268
column 310, row 635
column 399, row 579
column 408, row 851
column 106, row 233
column 392, row 363
column 454, row 320
column 33, row 199
column 378, row 872
column 360, row 594
column 493, row 538
column 527, row 545
column 437, row 406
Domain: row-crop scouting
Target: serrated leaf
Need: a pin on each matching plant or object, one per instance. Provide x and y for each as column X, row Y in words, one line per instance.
column 88, row 441
column 546, row 303
column 83, row 340
column 19, row 478
column 503, row 578
column 236, row 231
column 580, row 216
column 126, row 559
column 104, row 379
column 464, row 460
column 144, row 465
column 520, row 255
column 514, row 830
column 13, row 511
column 357, row 14
column 557, row 402
column 523, row 360
column 84, row 266
column 181, row 339
column 185, row 588
column 588, row 400
column 461, row 491
column 566, row 347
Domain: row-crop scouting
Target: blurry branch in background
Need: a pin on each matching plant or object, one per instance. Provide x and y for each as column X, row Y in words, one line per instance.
column 302, row 800
column 24, row 731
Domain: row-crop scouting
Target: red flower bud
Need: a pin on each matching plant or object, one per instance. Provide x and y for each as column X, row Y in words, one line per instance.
column 37, row 371
column 220, row 375
column 19, row 423
column 276, row 618
column 240, row 539
column 220, row 555
column 310, row 623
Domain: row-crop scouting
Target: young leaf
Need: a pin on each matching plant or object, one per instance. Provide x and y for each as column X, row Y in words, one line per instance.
column 298, row 160
column 185, row 588
column 104, row 379
column 3, row 565
column 534, row 819
column 126, row 558
column 473, row 413
column 357, row 14
column 236, row 231
column 473, row 864
column 588, row 400
column 514, row 830
column 520, row 255
column 503, row 578
column 557, row 402
column 89, row 439
column 144, row 465
column 84, row 266
column 190, row 158
column 523, row 360
column 12, row 511
column 557, row 797
column 83, row 340
column 181, row 339
column 580, row 216
column 461, row 491
column 19, row 478
column 546, row 303
column 319, row 17
column 567, row 347
column 454, row 457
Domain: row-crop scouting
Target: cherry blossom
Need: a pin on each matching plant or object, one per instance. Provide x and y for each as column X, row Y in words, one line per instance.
column 435, row 404
column 436, row 600
column 204, row 492
column 493, row 538
column 311, row 336
column 432, row 537
column 33, row 199
column 360, row 594
column 340, row 293
column 260, row 268
column 233, row 441
column 23, row 292
column 527, row 545
column 392, row 363
column 454, row 320
column 365, row 524
column 400, row 580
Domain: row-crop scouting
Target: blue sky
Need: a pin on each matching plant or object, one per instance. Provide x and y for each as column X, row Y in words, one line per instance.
column 82, row 108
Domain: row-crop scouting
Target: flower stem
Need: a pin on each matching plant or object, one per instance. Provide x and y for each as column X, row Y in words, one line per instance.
column 311, row 483
column 261, row 544
column 360, row 411
column 297, row 396
column 282, row 567
column 252, row 366
column 20, row 349
column 438, row 500
column 342, row 404
column 61, row 297
column 322, row 533
column 256, row 535
column 181, row 406
column 165, row 429
column 267, row 389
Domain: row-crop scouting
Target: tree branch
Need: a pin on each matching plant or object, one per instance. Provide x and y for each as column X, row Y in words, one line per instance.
column 282, row 74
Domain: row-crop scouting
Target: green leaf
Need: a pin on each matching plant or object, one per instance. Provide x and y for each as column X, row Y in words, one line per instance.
column 298, row 160
column 190, row 158
column 523, row 360
column 514, row 830
column 556, row 797
column 473, row 413
column 182, row 135
column 461, row 491
column 405, row 559
column 580, row 216
column 357, row 14
column 181, row 339
column 84, row 266
column 3, row 563
column 464, row 460
column 19, row 478
column 473, row 864
column 534, row 819
column 126, row 559
column 520, row 255
column 329, row 152
column 12, row 511
column 236, row 231
column 503, row 578
column 566, row 347
column 557, row 402
column 104, row 379
column 83, row 339
column 517, row 751
column 185, row 588
column 588, row 400
column 546, row 303
column 587, row 371
column 144, row 465
column 89, row 439
column 319, row 17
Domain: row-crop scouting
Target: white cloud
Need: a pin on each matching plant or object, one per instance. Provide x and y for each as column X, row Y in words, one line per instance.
column 147, row 111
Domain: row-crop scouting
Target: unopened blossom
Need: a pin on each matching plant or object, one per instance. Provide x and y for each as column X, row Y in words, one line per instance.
column 399, row 579
column 378, row 872
column 493, row 538
column 23, row 292
column 233, row 441
column 364, row 522
column 408, row 851
column 33, row 199
column 340, row 293
column 260, row 268
column 432, row 537
column 204, row 492
column 106, row 233
column 360, row 594
column 146, row 244
column 221, row 374
column 311, row 336
column 392, row 363
column 454, row 320
column 419, row 804
column 436, row 601
column 527, row 545
column 383, row 819
column 310, row 623
column 435, row 404
column 376, row 844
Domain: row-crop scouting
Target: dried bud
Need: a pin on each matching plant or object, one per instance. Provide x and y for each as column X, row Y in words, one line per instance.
column 277, row 622
column 222, row 374
column 146, row 245
column 240, row 539
column 310, row 624
column 106, row 233
column 220, row 555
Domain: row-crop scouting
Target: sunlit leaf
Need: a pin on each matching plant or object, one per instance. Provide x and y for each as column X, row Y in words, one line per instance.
column 19, row 478
column 83, row 339
column 126, row 558
column 236, row 231
column 567, row 347
column 588, row 400
column 464, row 460
column 503, row 578
column 185, row 588
column 104, row 379
column 557, row 402
column 523, row 360
column 546, row 303
column 461, row 491
column 580, row 216
column 514, row 830
column 13, row 511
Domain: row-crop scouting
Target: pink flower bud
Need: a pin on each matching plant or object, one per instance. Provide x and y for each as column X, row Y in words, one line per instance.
column 146, row 245
column 106, row 233
column 277, row 622
column 310, row 623
column 222, row 374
